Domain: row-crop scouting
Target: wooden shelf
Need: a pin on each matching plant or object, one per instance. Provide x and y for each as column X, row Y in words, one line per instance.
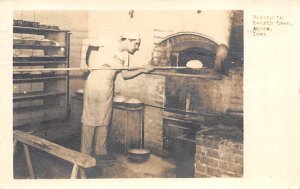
column 45, row 47
column 36, row 108
column 38, row 31
column 56, row 89
column 37, row 78
column 39, row 59
column 38, row 63
column 36, row 95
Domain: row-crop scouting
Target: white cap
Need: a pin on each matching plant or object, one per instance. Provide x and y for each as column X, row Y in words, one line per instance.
column 131, row 35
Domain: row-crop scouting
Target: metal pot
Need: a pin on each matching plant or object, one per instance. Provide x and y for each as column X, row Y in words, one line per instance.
column 138, row 155
column 79, row 93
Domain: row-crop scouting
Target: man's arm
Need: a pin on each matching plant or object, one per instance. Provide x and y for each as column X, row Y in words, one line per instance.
column 88, row 46
column 129, row 74
column 88, row 52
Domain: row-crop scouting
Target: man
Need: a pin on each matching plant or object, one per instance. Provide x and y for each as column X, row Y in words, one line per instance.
column 98, row 93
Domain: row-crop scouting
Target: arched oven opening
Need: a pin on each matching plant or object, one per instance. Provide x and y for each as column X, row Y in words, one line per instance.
column 177, row 49
column 181, row 95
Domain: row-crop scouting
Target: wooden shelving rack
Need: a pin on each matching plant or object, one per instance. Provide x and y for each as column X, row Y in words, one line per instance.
column 51, row 100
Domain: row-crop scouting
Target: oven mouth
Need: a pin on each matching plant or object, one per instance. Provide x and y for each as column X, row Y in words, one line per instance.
column 187, row 71
column 178, row 49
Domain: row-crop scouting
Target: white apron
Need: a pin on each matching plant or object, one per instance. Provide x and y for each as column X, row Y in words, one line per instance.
column 98, row 92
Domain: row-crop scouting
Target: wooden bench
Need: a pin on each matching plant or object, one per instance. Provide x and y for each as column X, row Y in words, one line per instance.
column 79, row 159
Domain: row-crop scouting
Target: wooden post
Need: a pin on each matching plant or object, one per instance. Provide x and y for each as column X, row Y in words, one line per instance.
column 82, row 173
column 74, row 171
column 15, row 146
column 28, row 161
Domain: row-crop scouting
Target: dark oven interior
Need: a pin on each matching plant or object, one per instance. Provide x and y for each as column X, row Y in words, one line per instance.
column 176, row 50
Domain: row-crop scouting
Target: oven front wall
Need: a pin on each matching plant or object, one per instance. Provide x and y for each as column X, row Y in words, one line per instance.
column 190, row 95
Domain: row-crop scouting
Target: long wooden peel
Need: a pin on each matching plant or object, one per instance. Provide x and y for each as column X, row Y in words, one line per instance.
column 97, row 68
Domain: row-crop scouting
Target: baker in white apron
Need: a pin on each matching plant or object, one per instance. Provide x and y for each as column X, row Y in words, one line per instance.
column 98, row 94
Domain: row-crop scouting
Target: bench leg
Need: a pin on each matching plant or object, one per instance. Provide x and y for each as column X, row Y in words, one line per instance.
column 74, row 171
column 15, row 145
column 28, row 161
column 82, row 173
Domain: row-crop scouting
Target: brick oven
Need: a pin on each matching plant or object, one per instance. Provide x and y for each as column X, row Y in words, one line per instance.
column 181, row 105
column 186, row 111
column 182, row 102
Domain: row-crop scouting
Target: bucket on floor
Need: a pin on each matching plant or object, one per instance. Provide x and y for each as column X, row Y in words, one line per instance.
column 138, row 155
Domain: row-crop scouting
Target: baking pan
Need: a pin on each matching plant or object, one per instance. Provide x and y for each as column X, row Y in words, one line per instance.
column 54, row 27
column 44, row 26
column 119, row 100
column 26, row 23
column 29, row 41
column 17, row 40
column 35, row 73
column 48, row 72
column 46, row 42
column 79, row 93
column 133, row 103
column 18, row 22
column 35, row 24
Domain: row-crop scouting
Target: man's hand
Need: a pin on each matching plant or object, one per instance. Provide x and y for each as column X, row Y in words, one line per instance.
column 132, row 68
column 84, row 67
column 148, row 70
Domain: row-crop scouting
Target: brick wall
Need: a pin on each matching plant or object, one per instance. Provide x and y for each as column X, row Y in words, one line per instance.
column 219, row 152
column 154, row 130
column 206, row 95
column 148, row 88
column 219, row 95
column 236, row 53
